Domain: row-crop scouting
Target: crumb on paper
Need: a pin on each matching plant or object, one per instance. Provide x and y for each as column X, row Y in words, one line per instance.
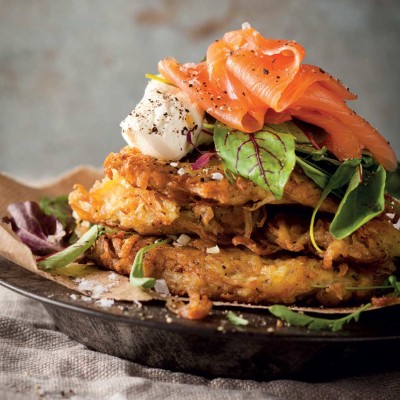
column 138, row 303
column 279, row 323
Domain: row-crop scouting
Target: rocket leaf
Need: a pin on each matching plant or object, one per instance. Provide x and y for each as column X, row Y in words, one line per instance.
column 315, row 323
column 71, row 253
column 136, row 277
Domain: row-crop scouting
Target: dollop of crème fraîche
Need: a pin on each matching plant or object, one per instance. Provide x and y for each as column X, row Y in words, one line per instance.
column 160, row 123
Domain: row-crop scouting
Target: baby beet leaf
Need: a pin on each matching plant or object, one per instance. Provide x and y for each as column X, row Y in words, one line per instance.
column 320, row 177
column 393, row 183
column 362, row 201
column 267, row 157
column 341, row 177
column 289, row 127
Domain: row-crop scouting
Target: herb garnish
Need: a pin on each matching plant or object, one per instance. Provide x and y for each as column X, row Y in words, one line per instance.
column 136, row 277
column 236, row 319
column 315, row 323
column 71, row 253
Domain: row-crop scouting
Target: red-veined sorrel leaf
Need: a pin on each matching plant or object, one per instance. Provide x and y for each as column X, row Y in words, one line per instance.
column 267, row 157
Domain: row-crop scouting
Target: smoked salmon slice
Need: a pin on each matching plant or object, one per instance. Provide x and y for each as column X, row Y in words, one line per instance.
column 248, row 80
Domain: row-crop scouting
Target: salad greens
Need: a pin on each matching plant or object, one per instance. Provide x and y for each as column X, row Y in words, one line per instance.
column 268, row 157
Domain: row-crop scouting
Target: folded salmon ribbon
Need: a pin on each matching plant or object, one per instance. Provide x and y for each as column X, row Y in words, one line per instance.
column 247, row 80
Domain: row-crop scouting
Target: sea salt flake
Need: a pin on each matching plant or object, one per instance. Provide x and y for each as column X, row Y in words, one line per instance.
column 113, row 276
column 182, row 240
column 213, row 250
column 105, row 303
column 96, row 288
column 161, row 287
column 217, row 176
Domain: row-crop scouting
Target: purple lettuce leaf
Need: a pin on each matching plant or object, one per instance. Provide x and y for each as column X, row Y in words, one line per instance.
column 42, row 233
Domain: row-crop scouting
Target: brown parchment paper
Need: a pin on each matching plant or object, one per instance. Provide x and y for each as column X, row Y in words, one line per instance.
column 116, row 287
column 112, row 286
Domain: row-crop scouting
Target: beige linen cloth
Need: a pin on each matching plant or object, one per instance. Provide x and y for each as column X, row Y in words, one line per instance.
column 39, row 362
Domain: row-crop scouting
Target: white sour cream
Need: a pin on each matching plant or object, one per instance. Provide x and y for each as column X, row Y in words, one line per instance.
column 159, row 124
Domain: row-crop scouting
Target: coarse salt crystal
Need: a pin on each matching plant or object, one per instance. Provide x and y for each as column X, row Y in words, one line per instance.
column 173, row 164
column 213, row 250
column 73, row 296
column 96, row 288
column 161, row 287
column 181, row 171
column 105, row 303
column 113, row 276
column 182, row 240
column 217, row 176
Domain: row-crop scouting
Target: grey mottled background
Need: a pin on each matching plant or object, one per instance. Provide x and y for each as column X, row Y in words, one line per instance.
column 70, row 71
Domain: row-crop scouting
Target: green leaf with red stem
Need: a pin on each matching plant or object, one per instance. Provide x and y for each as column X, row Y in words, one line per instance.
column 267, row 157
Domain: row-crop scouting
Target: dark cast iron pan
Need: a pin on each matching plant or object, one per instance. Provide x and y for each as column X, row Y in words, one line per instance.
column 152, row 336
